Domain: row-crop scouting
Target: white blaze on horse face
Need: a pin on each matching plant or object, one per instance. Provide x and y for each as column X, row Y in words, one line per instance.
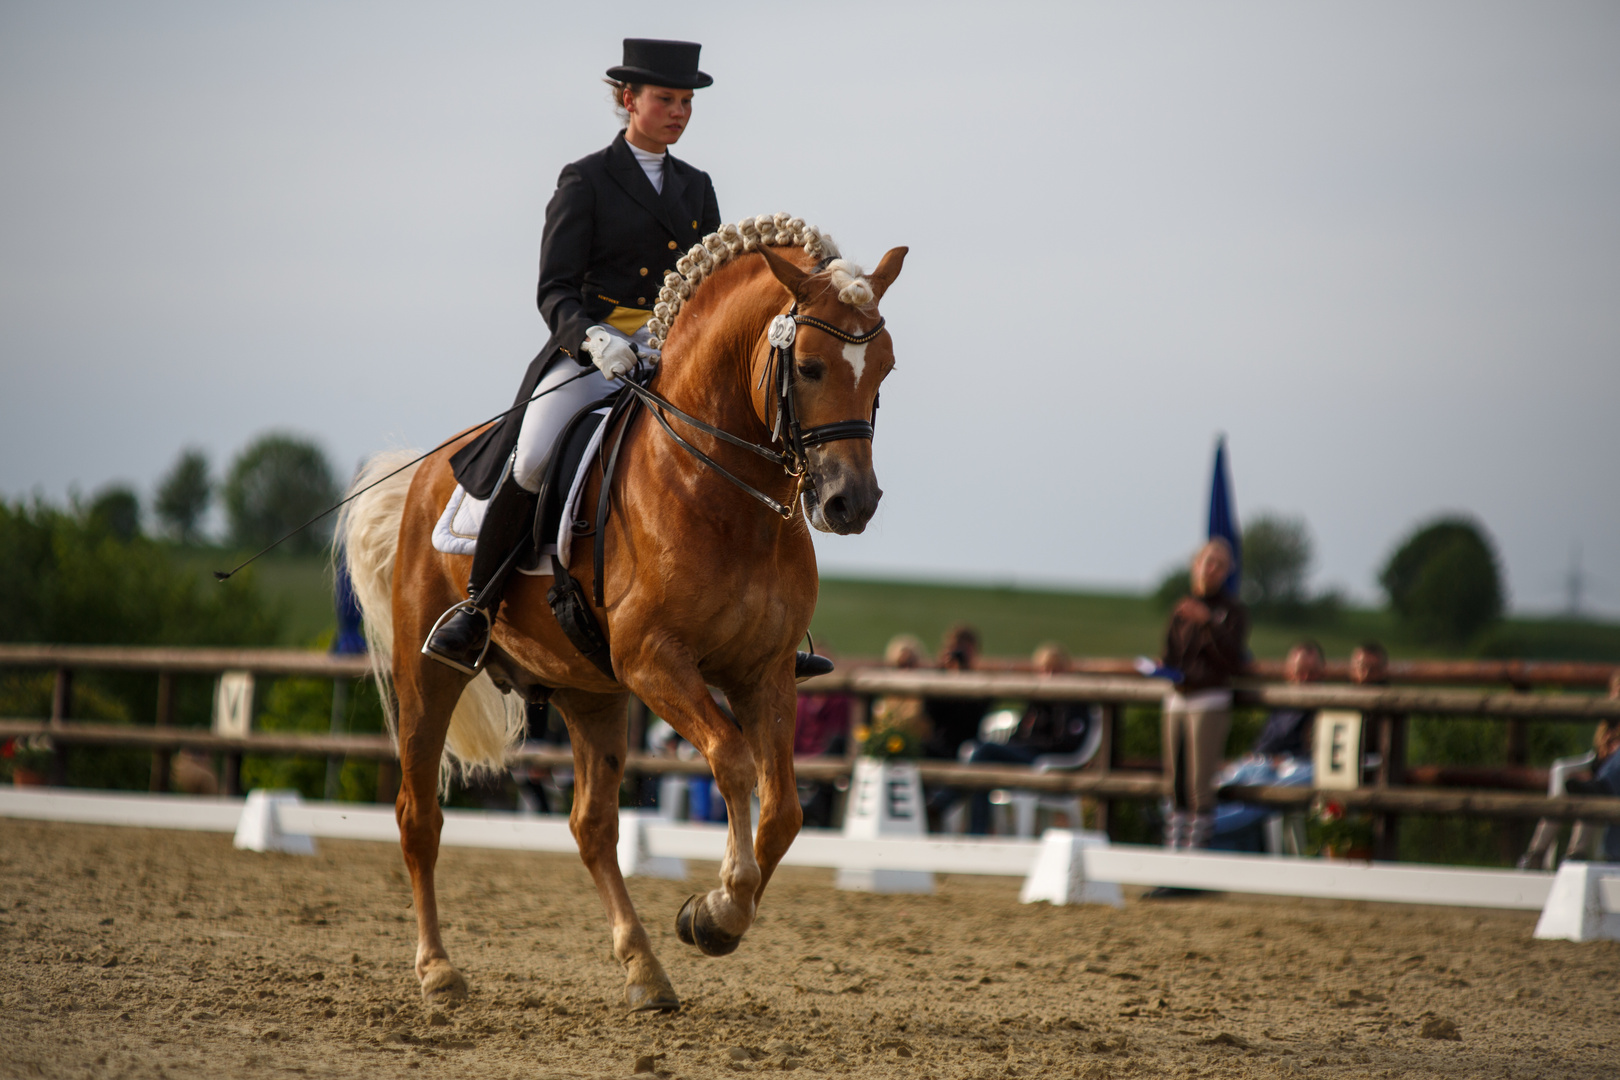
column 856, row 355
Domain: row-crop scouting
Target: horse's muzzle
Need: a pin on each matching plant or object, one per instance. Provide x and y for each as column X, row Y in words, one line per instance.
column 843, row 499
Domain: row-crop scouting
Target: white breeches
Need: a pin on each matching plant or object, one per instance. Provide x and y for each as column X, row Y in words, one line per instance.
column 546, row 416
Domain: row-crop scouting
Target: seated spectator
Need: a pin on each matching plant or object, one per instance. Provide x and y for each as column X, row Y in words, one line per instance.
column 1205, row 645
column 1288, row 731
column 904, row 653
column 1281, row 756
column 821, row 724
column 1369, row 664
column 821, row 729
column 1604, row 781
column 954, row 720
column 1047, row 727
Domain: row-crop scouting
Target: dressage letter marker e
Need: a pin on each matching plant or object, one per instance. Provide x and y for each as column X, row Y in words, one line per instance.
column 885, row 800
column 1337, row 751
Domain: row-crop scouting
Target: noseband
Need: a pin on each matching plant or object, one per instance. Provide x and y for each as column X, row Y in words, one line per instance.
column 795, row 440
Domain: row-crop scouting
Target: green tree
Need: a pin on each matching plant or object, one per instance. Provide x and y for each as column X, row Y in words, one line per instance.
column 66, row 577
column 1444, row 581
column 184, row 494
column 277, row 483
column 116, row 510
column 1276, row 562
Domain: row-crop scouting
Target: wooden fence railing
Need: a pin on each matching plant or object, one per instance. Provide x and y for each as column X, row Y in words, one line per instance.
column 1107, row 778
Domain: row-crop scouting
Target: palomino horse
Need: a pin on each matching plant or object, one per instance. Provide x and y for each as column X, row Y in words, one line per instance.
column 704, row 585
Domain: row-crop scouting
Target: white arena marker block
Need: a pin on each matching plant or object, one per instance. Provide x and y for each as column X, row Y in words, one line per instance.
column 634, row 861
column 259, row 828
column 885, row 802
column 1059, row 873
column 1584, row 904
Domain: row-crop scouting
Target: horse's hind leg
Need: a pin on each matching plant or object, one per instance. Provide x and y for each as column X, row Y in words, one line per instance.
column 596, row 726
column 427, row 694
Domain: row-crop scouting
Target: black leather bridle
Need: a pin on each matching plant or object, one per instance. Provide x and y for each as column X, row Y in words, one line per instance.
column 795, row 440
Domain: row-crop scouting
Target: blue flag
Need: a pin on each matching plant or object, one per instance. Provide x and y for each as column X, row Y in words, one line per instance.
column 349, row 639
column 1223, row 514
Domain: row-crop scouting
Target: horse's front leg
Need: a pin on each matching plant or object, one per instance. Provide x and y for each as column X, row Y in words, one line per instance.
column 596, row 727
column 768, row 713
column 671, row 686
column 427, row 694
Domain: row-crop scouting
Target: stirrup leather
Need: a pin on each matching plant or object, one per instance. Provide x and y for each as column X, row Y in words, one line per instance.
column 489, row 627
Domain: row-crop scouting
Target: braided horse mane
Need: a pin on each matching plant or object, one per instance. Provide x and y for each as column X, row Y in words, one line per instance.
column 750, row 234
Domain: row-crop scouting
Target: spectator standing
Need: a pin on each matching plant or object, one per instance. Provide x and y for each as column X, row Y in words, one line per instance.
column 1205, row 645
column 1047, row 727
column 954, row 720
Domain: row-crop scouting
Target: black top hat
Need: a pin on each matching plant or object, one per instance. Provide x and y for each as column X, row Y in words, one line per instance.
column 662, row 63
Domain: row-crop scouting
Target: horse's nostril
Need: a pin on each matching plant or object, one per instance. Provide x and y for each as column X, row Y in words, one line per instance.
column 837, row 508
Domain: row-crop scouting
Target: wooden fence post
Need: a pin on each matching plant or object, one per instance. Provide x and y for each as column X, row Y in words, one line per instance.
column 1391, row 773
column 164, row 718
column 338, row 726
column 61, row 709
column 1106, row 761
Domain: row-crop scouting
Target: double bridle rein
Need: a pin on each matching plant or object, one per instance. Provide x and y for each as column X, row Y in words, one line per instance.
column 795, row 439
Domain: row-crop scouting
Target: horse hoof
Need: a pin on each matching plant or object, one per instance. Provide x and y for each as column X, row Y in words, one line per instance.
column 651, row 998
column 683, row 921
column 692, row 930
column 442, row 985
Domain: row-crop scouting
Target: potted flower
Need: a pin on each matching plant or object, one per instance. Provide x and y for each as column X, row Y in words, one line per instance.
column 1335, row 833
column 27, row 760
column 887, row 741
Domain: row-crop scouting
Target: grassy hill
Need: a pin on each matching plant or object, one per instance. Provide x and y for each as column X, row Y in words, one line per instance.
column 859, row 616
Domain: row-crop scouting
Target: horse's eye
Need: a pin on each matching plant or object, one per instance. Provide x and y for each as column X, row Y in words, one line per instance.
column 812, row 370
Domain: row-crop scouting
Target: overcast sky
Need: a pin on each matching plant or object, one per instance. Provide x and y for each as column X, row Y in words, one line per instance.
column 1377, row 245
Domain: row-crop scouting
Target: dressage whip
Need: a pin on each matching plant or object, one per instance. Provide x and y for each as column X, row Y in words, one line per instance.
column 226, row 575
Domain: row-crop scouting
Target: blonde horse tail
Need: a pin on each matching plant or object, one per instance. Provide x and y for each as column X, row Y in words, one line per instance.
column 486, row 724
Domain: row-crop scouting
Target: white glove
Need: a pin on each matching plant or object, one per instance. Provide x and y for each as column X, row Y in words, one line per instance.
column 611, row 354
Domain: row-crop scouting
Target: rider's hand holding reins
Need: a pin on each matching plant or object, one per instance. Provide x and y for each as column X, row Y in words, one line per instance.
column 612, row 355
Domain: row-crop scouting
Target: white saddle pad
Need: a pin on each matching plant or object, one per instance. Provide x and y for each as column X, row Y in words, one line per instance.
column 456, row 532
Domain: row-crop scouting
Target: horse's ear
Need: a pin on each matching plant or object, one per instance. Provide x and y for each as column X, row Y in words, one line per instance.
column 791, row 277
column 888, row 268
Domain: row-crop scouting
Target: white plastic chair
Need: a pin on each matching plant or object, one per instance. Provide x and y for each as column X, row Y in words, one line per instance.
column 1561, row 769
column 1027, row 804
column 1544, row 842
column 998, row 727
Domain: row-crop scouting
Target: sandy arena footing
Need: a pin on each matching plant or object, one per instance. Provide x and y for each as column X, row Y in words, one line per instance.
column 142, row 953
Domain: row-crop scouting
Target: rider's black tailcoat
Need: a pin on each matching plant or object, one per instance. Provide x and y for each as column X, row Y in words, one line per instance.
column 609, row 239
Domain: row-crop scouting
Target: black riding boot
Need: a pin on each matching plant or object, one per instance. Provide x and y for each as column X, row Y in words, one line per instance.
column 462, row 633
column 807, row 665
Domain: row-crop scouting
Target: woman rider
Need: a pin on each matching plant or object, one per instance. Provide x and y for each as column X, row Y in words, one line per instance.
column 619, row 220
